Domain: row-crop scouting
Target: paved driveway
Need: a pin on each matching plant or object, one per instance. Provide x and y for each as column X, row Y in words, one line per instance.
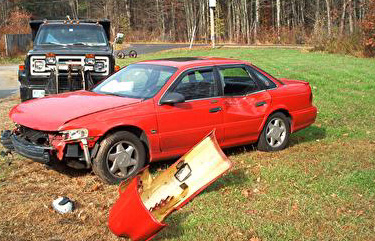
column 8, row 80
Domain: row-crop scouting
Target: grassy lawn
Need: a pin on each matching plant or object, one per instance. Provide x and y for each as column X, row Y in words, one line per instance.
column 321, row 188
column 12, row 60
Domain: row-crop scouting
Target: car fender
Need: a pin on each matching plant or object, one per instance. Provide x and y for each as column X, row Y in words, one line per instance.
column 100, row 124
column 281, row 108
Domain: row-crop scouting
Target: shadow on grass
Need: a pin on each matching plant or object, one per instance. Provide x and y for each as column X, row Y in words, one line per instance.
column 62, row 168
column 233, row 178
column 173, row 230
column 309, row 134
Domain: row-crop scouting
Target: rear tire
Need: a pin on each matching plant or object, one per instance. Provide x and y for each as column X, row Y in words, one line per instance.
column 275, row 133
column 121, row 156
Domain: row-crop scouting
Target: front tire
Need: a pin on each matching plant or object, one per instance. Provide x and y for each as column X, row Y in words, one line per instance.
column 275, row 134
column 120, row 156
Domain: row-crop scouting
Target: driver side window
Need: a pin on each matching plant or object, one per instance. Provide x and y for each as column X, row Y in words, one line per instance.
column 197, row 84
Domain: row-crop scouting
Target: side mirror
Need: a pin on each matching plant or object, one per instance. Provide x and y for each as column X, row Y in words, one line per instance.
column 119, row 38
column 172, row 98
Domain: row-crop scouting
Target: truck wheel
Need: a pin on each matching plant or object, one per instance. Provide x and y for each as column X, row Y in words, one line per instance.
column 120, row 156
column 275, row 133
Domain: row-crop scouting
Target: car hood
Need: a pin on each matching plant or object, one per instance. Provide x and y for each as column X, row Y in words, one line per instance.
column 50, row 113
column 70, row 50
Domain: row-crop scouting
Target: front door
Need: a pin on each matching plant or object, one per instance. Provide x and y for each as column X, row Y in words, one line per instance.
column 183, row 125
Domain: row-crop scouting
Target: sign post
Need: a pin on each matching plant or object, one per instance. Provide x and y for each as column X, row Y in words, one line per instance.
column 212, row 5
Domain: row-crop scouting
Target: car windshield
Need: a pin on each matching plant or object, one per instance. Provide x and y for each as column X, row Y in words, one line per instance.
column 136, row 81
column 69, row 34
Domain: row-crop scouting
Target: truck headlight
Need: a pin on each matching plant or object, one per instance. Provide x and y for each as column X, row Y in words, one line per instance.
column 75, row 134
column 100, row 66
column 90, row 59
column 40, row 65
column 50, row 58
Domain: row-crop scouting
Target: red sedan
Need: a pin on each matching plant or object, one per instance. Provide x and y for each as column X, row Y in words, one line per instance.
column 159, row 109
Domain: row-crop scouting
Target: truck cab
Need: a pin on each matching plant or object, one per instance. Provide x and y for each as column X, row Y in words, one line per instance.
column 66, row 56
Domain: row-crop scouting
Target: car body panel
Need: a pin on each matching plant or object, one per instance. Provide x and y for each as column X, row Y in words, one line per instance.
column 243, row 118
column 75, row 104
column 194, row 118
column 145, row 202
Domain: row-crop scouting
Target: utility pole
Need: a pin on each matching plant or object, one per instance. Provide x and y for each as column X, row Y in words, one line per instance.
column 212, row 4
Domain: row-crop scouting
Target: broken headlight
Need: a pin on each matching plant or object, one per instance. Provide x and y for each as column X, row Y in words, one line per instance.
column 75, row 134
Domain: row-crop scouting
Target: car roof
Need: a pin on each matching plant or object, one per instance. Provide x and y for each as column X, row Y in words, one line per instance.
column 190, row 62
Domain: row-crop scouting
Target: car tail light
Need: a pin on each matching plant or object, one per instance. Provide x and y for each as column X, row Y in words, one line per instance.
column 21, row 67
column 117, row 68
column 50, row 58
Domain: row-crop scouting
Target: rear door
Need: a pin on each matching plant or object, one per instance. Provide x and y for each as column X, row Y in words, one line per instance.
column 246, row 103
column 183, row 125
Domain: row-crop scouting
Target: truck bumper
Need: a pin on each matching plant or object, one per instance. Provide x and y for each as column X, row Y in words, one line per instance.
column 27, row 149
column 36, row 87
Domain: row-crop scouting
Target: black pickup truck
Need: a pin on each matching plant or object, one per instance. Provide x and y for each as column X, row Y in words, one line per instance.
column 66, row 56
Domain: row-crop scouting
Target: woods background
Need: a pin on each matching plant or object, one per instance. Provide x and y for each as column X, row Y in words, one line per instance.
column 346, row 26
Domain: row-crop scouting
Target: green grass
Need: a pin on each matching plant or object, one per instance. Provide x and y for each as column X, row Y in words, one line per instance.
column 12, row 60
column 320, row 188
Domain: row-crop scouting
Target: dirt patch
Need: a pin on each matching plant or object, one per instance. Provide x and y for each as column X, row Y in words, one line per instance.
column 27, row 190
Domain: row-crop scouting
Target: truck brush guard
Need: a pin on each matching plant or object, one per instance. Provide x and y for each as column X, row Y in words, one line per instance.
column 52, row 86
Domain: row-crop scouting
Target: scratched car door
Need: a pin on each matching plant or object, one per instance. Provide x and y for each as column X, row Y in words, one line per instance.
column 245, row 105
column 183, row 125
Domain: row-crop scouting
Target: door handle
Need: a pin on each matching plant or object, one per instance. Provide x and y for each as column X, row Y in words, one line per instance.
column 216, row 109
column 259, row 104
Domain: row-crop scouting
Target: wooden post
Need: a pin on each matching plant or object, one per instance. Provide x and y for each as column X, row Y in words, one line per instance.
column 212, row 27
column 192, row 37
column 212, row 4
column 6, row 45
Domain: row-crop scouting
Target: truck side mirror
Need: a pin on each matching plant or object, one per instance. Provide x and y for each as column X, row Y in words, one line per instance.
column 119, row 38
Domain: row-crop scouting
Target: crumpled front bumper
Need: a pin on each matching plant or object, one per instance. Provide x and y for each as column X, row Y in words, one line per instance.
column 25, row 148
column 145, row 201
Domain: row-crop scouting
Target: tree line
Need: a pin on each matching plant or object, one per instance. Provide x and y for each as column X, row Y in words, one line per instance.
column 236, row 21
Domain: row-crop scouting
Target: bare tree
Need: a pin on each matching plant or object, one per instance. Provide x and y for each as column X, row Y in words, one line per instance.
column 256, row 23
column 329, row 20
column 278, row 7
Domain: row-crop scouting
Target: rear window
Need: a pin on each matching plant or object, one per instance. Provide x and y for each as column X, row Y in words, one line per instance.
column 268, row 84
column 237, row 81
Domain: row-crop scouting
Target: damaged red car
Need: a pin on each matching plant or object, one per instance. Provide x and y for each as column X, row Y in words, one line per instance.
column 159, row 109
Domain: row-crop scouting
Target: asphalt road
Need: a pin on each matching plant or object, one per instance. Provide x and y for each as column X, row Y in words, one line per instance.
column 152, row 48
column 8, row 80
